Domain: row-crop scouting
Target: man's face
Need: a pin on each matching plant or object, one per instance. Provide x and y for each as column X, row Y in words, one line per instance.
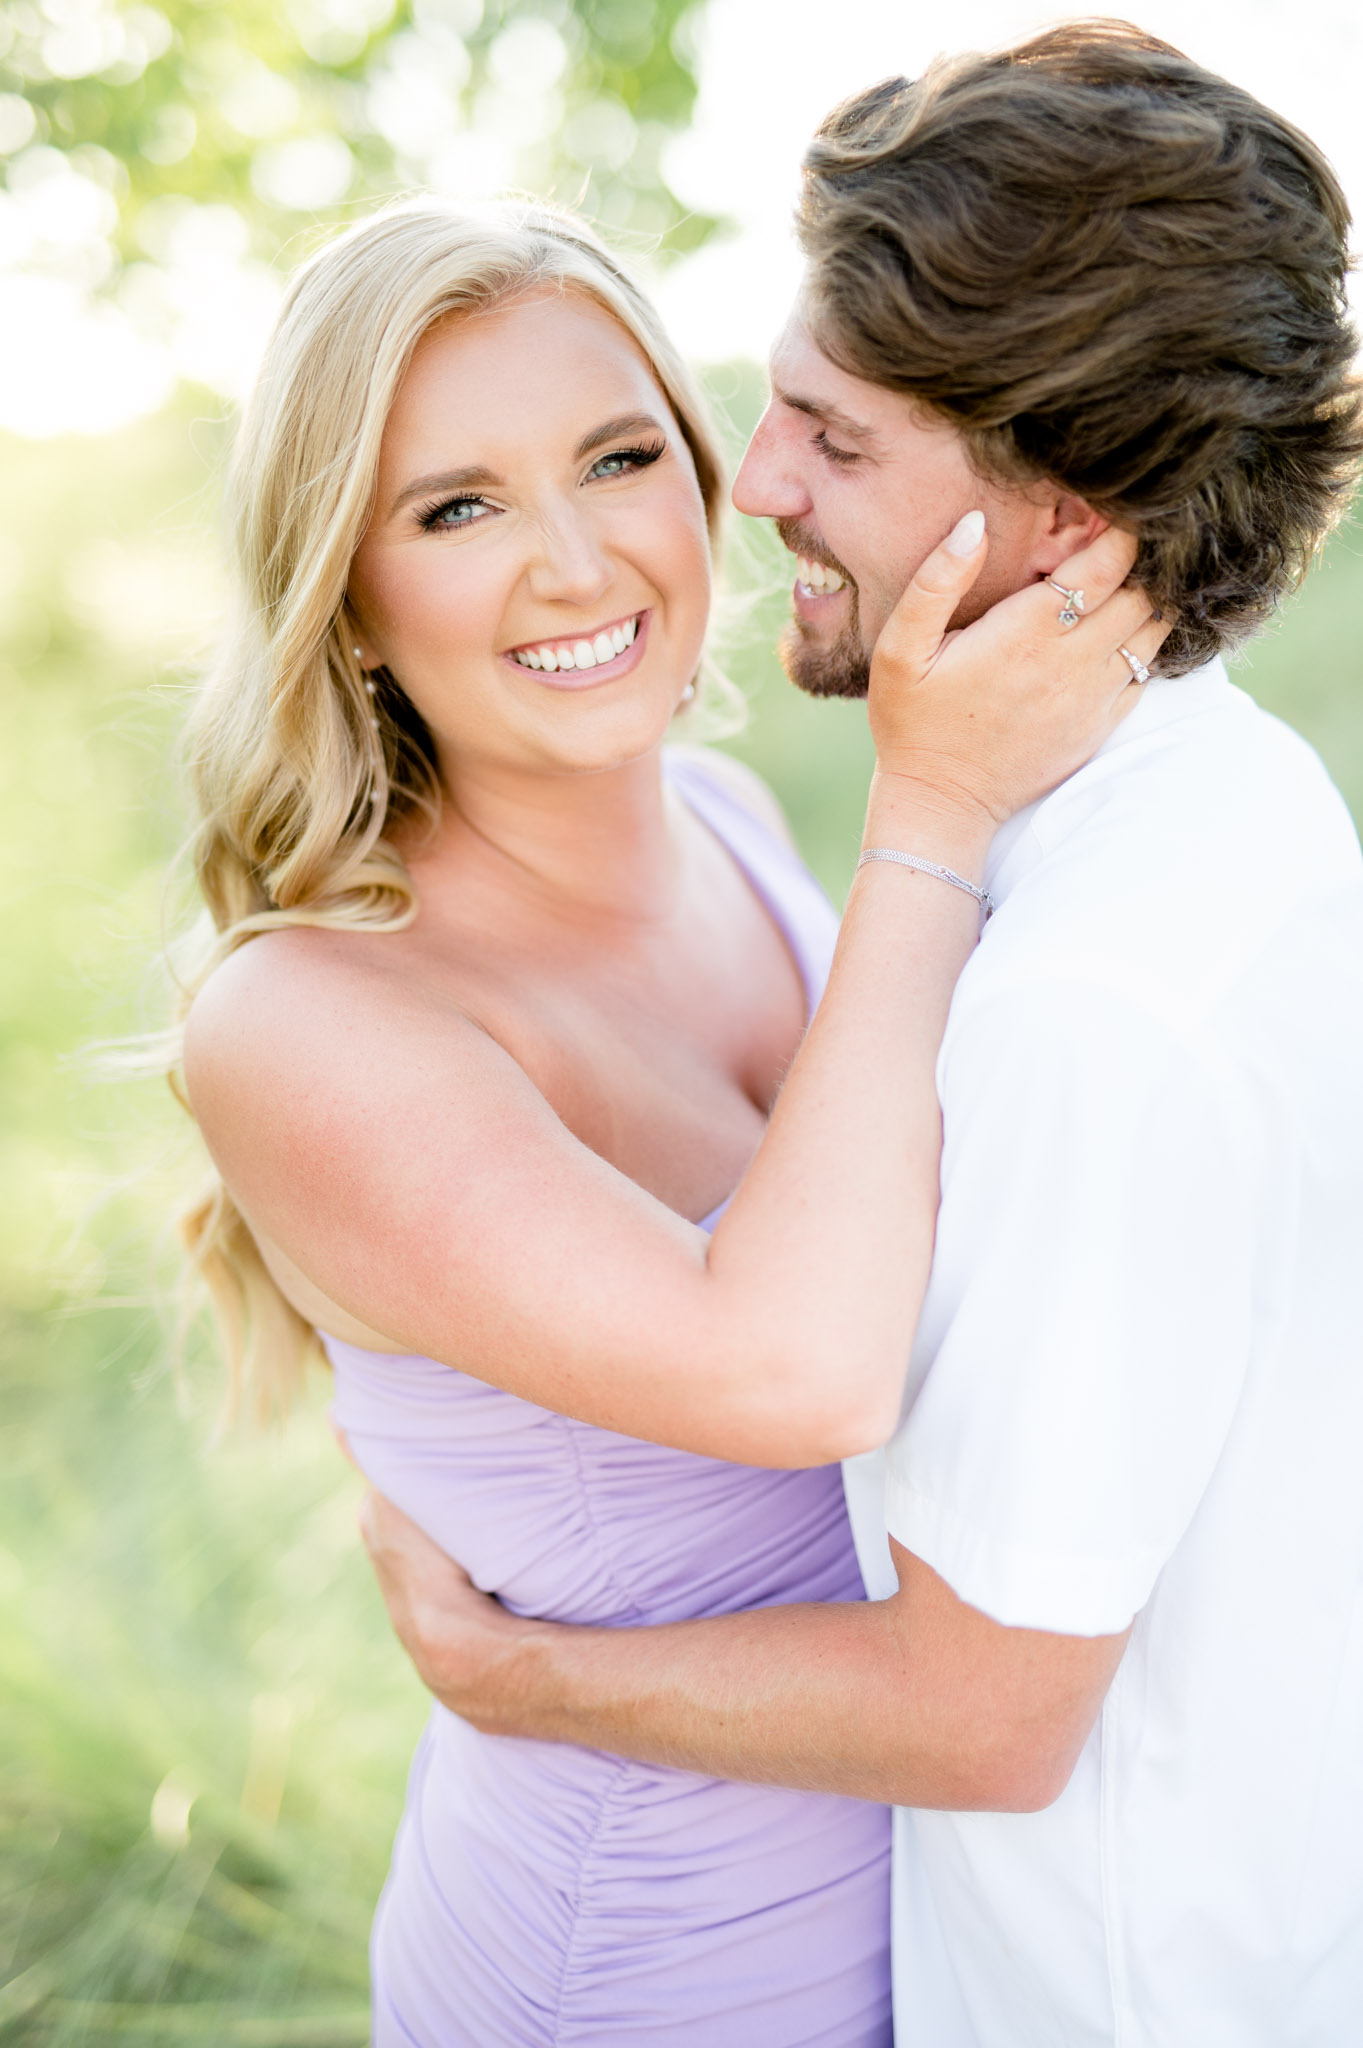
column 863, row 483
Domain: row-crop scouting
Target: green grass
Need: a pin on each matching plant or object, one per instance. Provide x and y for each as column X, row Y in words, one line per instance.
column 175, row 1620
column 204, row 1723
column 203, row 1720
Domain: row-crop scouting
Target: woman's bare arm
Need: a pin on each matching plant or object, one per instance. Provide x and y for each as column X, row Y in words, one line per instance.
column 408, row 1168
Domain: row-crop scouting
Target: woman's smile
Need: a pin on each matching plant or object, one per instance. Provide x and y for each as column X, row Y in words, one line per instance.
column 576, row 661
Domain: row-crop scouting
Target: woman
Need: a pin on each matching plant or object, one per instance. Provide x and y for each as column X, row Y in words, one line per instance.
column 519, row 997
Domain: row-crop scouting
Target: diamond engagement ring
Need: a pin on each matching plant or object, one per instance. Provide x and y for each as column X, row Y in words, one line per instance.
column 1139, row 672
column 1074, row 603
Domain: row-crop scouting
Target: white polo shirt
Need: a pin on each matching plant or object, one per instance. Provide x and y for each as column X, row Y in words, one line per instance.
column 1137, row 1391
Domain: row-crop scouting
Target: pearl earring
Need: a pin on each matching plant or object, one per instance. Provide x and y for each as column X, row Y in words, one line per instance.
column 688, row 693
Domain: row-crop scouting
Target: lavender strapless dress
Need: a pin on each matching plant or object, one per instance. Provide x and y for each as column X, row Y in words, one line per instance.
column 542, row 1895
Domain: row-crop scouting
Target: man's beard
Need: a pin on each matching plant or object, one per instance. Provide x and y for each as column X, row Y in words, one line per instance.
column 842, row 669
column 820, row 670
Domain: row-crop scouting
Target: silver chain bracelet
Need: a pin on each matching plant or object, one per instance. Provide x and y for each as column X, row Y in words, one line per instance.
column 931, row 867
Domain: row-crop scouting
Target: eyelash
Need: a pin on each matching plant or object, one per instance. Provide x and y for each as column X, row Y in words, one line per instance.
column 642, row 457
column 841, row 458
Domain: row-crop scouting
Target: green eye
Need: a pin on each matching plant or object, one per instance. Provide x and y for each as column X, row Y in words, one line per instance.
column 621, row 461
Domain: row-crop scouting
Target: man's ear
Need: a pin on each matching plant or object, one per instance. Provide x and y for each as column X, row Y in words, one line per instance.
column 1071, row 525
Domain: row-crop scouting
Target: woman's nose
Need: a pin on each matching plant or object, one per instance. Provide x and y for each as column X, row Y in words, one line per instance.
column 570, row 565
column 768, row 484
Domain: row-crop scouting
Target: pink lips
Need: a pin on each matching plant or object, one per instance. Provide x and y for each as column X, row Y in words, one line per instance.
column 812, row 604
column 585, row 678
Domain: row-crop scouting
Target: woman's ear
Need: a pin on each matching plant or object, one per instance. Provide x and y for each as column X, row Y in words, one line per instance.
column 1072, row 525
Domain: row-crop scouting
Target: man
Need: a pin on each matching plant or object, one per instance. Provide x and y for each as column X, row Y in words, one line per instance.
column 1116, row 1664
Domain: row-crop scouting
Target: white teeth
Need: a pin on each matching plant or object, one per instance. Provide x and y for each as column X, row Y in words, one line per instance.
column 817, row 578
column 582, row 653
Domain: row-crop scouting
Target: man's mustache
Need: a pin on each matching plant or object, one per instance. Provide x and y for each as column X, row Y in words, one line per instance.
column 801, row 541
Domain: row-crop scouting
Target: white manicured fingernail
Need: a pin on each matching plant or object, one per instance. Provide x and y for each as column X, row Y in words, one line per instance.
column 966, row 534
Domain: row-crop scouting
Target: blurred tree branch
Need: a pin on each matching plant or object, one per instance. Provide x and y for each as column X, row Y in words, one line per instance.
column 146, row 145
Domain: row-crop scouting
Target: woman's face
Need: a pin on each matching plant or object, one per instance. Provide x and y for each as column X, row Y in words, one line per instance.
column 536, row 573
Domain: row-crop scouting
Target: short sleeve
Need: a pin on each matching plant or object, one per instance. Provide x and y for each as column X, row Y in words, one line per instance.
column 1087, row 1329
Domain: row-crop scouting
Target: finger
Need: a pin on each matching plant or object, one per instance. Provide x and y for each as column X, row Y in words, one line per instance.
column 1154, row 632
column 366, row 1522
column 913, row 632
column 342, row 1440
column 1125, row 612
column 1099, row 569
column 1128, row 620
column 1081, row 584
column 385, row 1529
column 1125, row 664
column 401, row 1550
column 1140, row 646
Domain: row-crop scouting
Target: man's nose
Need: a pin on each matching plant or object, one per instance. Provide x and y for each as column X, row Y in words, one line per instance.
column 769, row 484
column 570, row 566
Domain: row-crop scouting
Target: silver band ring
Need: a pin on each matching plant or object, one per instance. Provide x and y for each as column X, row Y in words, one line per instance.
column 1139, row 672
column 1074, row 603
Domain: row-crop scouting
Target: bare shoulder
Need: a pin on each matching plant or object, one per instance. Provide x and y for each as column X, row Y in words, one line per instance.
column 353, row 1107
column 306, row 1030
column 742, row 783
column 281, row 994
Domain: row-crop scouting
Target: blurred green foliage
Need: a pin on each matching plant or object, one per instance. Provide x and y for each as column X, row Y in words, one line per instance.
column 294, row 111
column 203, row 1722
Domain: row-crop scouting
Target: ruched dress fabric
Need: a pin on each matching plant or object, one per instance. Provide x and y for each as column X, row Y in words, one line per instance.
column 547, row 1896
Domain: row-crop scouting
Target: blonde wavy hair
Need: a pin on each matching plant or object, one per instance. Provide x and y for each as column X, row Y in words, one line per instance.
column 293, row 782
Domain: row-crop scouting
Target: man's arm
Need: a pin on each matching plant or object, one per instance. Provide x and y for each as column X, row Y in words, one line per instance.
column 919, row 1700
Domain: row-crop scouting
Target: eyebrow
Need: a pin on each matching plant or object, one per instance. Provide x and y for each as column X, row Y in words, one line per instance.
column 446, row 482
column 478, row 477
column 616, row 429
column 829, row 415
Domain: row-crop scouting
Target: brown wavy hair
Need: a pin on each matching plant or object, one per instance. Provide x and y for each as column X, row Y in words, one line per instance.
column 1108, row 268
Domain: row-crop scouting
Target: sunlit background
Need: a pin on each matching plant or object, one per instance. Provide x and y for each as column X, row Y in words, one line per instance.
column 204, row 1725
